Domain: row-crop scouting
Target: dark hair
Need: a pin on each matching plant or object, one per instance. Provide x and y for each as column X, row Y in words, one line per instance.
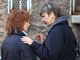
column 16, row 20
column 51, row 7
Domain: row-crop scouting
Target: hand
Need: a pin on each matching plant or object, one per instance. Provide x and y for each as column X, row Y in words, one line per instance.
column 27, row 40
column 40, row 37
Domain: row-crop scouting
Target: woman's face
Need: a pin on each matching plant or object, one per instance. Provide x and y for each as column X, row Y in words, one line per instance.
column 48, row 19
column 26, row 26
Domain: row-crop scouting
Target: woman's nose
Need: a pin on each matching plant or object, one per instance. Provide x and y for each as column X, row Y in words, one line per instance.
column 42, row 20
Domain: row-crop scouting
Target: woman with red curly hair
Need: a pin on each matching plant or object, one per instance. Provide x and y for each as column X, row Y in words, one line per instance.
column 16, row 26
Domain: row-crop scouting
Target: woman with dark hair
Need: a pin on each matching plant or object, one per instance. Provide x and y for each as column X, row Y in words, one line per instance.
column 60, row 43
column 16, row 26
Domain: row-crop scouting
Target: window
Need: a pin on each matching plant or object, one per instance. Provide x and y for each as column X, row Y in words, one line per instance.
column 76, row 7
column 19, row 4
column 75, row 10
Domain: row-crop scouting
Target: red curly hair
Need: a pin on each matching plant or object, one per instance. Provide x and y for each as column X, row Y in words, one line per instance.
column 16, row 20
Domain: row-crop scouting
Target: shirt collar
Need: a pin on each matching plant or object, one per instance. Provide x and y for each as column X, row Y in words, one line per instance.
column 59, row 20
column 21, row 33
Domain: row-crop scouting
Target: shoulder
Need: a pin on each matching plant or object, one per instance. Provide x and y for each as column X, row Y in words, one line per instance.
column 61, row 27
column 57, row 28
column 12, row 41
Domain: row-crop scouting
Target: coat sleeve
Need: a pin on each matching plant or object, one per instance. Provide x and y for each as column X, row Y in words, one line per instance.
column 26, row 53
column 53, row 45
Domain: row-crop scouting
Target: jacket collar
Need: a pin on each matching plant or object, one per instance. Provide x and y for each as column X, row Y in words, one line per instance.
column 58, row 21
column 21, row 33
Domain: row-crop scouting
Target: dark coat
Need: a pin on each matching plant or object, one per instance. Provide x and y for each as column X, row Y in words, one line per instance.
column 60, row 43
column 13, row 49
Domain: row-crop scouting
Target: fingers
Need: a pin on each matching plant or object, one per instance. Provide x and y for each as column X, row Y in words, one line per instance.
column 37, row 36
column 24, row 39
column 24, row 36
column 27, row 40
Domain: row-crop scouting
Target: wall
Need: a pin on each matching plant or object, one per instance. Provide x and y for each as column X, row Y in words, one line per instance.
column 3, row 15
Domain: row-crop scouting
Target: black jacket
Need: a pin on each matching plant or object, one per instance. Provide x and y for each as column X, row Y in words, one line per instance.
column 60, row 43
column 13, row 49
